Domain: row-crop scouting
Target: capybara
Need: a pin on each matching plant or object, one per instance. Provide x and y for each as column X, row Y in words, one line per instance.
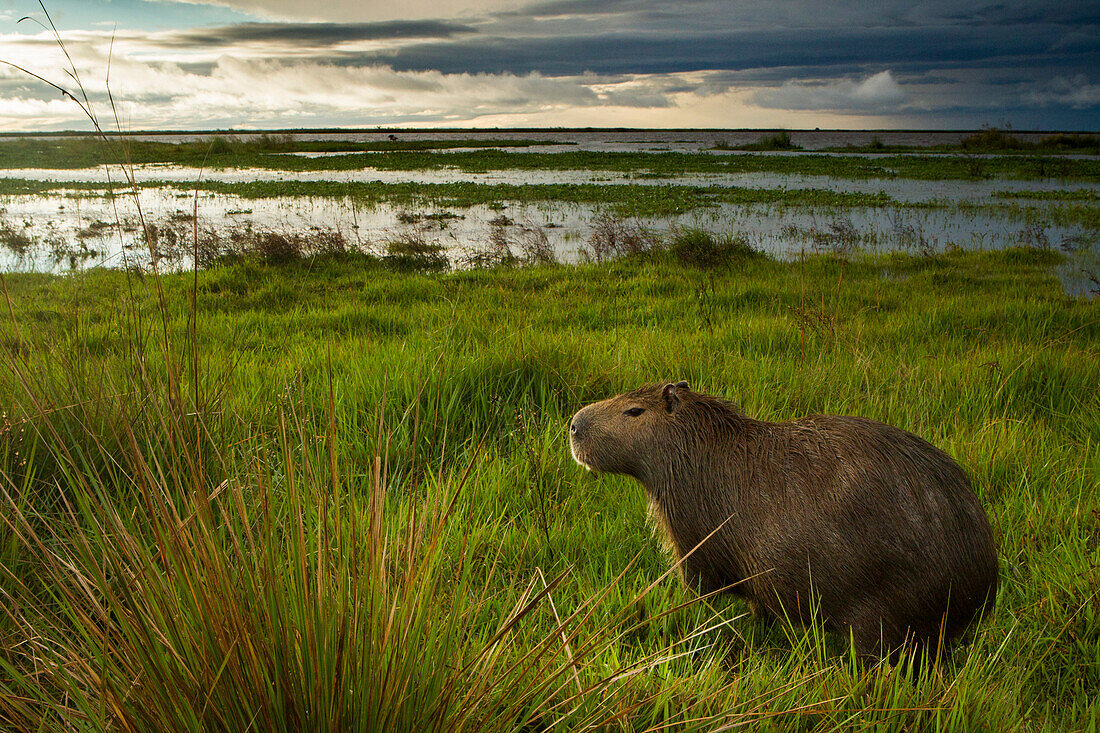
column 878, row 529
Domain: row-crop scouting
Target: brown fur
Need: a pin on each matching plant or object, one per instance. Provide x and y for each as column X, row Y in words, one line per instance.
column 882, row 526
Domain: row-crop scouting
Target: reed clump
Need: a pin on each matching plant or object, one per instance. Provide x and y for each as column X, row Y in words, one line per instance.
column 700, row 248
column 157, row 578
column 778, row 140
column 411, row 252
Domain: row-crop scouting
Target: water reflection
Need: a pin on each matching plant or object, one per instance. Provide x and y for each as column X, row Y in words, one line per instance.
column 72, row 229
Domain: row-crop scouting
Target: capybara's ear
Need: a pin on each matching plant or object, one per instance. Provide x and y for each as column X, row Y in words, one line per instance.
column 682, row 385
column 671, row 399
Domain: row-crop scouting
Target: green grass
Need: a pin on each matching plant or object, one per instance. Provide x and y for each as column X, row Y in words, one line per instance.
column 194, row 512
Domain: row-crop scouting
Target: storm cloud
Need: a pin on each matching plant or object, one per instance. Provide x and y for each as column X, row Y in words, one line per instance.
column 844, row 49
column 325, row 34
column 623, row 62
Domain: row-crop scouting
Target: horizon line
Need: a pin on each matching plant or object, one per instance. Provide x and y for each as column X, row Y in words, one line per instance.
column 483, row 130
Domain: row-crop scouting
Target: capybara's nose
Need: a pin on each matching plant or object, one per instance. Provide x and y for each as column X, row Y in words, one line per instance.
column 577, row 424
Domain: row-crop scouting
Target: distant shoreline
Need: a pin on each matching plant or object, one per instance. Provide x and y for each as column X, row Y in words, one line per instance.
column 513, row 130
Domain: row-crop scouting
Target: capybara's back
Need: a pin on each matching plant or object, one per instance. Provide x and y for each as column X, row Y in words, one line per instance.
column 876, row 528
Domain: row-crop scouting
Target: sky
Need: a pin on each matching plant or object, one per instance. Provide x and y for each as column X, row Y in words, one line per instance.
column 277, row 64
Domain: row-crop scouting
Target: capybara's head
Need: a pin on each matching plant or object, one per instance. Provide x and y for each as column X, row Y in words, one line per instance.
column 620, row 434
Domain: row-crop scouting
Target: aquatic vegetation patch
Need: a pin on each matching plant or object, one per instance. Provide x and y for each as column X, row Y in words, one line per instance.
column 14, row 236
column 1080, row 194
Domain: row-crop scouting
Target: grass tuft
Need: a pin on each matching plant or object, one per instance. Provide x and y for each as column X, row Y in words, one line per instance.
column 700, row 248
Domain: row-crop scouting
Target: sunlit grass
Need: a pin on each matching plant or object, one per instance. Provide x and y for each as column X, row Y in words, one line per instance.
column 194, row 507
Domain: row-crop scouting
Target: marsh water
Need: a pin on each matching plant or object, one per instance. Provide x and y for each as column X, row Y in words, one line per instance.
column 626, row 141
column 902, row 189
column 72, row 229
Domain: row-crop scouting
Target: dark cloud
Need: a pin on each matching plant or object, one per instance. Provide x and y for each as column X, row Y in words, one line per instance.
column 314, row 33
column 841, row 50
column 1020, row 12
column 918, row 63
column 824, row 14
column 570, row 8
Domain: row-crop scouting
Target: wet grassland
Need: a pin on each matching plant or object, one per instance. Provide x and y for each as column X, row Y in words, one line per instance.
column 318, row 484
column 927, row 200
column 217, row 153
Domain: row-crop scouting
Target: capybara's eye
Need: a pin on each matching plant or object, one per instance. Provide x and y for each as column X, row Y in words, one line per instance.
column 634, row 411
